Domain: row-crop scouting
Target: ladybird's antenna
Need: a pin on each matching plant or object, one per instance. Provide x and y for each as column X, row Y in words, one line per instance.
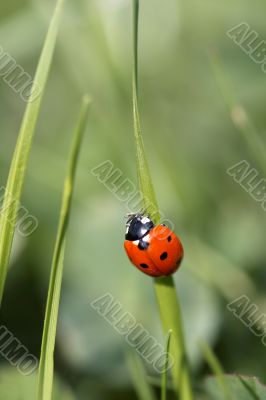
column 130, row 216
column 141, row 213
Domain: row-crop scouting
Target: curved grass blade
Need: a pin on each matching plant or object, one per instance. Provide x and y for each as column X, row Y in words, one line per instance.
column 249, row 388
column 241, row 387
column 216, row 368
column 142, row 387
column 21, row 154
column 45, row 374
column 164, row 287
column 144, row 177
column 164, row 374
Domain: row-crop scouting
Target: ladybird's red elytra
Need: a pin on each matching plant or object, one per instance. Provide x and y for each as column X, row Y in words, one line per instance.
column 153, row 249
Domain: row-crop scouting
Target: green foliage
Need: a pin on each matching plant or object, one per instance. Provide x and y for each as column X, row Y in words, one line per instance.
column 46, row 366
column 164, row 287
column 144, row 177
column 164, row 374
column 21, row 154
column 238, row 113
column 139, row 377
column 241, row 388
column 216, row 368
column 14, row 386
column 190, row 143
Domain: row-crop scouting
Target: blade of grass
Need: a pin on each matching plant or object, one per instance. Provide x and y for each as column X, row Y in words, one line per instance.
column 144, row 177
column 237, row 112
column 138, row 375
column 171, row 319
column 21, row 154
column 249, row 389
column 164, row 374
column 164, row 287
column 45, row 373
column 156, row 381
column 216, row 368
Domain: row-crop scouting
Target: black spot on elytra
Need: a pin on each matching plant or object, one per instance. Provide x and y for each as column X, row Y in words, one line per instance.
column 163, row 256
column 179, row 261
column 169, row 238
column 144, row 265
column 143, row 245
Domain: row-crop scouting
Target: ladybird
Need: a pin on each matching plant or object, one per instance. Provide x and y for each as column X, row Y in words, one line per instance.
column 153, row 249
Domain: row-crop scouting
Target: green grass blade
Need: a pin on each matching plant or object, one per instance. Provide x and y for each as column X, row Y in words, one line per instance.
column 164, row 287
column 139, row 379
column 45, row 375
column 144, row 177
column 164, row 374
column 171, row 319
column 216, row 368
column 21, row 154
column 249, row 388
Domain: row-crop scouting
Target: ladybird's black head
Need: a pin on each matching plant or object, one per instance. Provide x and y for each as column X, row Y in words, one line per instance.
column 138, row 226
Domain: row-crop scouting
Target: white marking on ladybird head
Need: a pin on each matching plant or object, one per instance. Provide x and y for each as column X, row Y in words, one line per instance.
column 136, row 242
column 145, row 219
column 146, row 238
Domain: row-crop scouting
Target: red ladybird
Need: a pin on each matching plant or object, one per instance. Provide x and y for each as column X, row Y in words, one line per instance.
column 153, row 249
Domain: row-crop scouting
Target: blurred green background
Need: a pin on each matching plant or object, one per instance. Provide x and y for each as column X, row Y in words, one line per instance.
column 190, row 142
